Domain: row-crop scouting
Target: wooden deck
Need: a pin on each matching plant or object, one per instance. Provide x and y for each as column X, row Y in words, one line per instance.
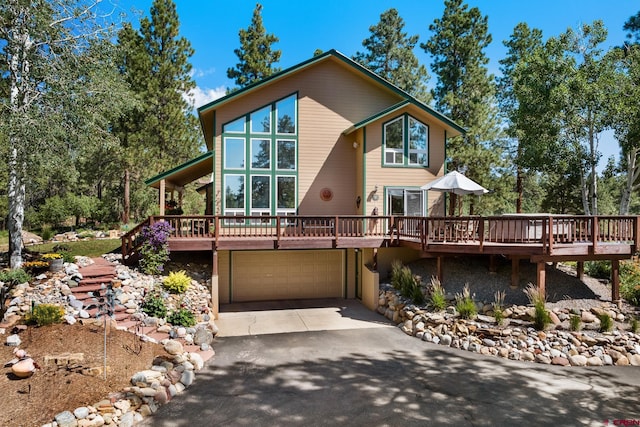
column 541, row 238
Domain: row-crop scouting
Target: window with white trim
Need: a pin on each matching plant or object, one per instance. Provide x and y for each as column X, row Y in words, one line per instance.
column 405, row 142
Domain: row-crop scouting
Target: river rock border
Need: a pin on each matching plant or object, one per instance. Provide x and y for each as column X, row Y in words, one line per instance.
column 515, row 338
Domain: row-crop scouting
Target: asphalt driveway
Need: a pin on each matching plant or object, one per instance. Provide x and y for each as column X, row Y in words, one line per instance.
column 379, row 376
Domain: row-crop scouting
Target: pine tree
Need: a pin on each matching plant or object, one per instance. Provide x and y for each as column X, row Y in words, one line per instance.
column 161, row 130
column 466, row 93
column 389, row 53
column 255, row 55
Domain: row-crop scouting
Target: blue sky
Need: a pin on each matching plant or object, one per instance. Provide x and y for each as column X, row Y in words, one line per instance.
column 302, row 26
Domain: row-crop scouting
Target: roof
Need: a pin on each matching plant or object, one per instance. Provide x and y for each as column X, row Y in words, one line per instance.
column 204, row 110
column 185, row 173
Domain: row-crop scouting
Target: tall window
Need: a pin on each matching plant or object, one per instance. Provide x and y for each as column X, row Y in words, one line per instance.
column 260, row 161
column 405, row 202
column 406, row 142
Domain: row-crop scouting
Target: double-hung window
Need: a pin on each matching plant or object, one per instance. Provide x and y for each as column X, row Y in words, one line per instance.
column 405, row 142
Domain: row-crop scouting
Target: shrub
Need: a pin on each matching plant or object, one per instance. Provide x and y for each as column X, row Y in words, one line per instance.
column 437, row 298
column 537, row 297
column 46, row 233
column 465, row 305
column 598, row 269
column 182, row 317
column 45, row 314
column 177, row 282
column 155, row 248
column 406, row 283
column 630, row 282
column 14, row 277
column 606, row 322
column 154, row 306
column 575, row 322
column 498, row 304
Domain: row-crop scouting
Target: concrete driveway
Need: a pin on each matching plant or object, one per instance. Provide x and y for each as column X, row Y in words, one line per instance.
column 378, row 376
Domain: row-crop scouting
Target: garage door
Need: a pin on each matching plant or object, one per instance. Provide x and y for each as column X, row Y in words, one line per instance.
column 274, row 275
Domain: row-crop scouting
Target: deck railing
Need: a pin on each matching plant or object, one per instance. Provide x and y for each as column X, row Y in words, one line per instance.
column 545, row 230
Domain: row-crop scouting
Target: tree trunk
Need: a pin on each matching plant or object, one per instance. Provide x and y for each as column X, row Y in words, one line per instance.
column 519, row 189
column 16, row 191
column 632, row 176
column 127, row 202
column 593, row 188
column 584, row 193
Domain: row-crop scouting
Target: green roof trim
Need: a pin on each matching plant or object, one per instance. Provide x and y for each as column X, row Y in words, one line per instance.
column 336, row 54
column 181, row 168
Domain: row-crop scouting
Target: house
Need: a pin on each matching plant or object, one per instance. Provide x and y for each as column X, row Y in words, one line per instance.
column 324, row 138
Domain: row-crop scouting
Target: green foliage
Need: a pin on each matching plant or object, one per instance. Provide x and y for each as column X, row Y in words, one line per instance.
column 46, row 233
column 177, row 282
column 437, row 298
column 606, row 322
column 465, row 305
column 255, row 55
column 14, row 276
column 90, row 248
column 182, row 317
column 634, row 325
column 598, row 269
column 575, row 322
column 154, row 306
column 498, row 306
column 403, row 280
column 45, row 314
column 389, row 53
column 541, row 317
column 630, row 282
column 465, row 92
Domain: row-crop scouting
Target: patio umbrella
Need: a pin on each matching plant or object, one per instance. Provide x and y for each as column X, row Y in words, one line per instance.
column 457, row 183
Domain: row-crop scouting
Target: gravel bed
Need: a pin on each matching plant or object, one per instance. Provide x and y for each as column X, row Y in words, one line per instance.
column 562, row 286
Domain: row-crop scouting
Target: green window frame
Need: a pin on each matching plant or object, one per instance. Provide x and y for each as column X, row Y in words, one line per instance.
column 405, row 142
column 261, row 147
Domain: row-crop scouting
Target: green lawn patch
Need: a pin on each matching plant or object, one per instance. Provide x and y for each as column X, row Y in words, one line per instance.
column 89, row 248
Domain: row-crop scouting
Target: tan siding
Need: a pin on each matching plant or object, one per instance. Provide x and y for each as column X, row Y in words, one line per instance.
column 331, row 98
column 402, row 176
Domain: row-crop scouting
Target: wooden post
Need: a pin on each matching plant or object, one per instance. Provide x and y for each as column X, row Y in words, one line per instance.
column 163, row 187
column 541, row 276
column 215, row 300
column 580, row 270
column 515, row 272
column 615, row 281
column 493, row 264
column 440, row 269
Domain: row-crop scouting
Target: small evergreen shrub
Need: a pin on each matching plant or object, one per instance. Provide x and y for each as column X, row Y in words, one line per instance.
column 437, row 298
column 45, row 314
column 182, row 317
column 46, row 233
column 537, row 298
column 177, row 282
column 575, row 322
column 465, row 305
column 153, row 305
column 606, row 322
column 498, row 306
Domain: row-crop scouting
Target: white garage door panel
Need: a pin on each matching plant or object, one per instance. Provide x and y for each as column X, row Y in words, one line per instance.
column 272, row 275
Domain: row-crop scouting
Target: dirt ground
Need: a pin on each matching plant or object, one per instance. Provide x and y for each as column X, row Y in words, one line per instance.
column 52, row 389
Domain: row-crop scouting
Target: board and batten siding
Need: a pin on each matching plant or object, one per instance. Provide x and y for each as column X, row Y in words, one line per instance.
column 331, row 98
column 390, row 176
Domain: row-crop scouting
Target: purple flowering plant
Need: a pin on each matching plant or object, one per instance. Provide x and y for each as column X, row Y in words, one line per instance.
column 155, row 247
